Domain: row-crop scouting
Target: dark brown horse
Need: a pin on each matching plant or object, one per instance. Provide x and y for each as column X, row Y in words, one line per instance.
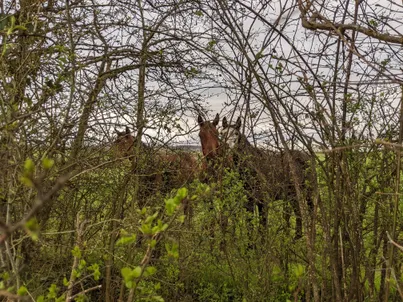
column 267, row 174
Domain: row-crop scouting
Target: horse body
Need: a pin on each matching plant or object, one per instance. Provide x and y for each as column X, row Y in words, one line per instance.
column 177, row 167
column 266, row 174
column 164, row 168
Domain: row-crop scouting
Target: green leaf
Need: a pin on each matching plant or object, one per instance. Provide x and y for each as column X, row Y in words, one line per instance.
column 170, row 206
column 26, row 181
column 76, row 252
column 129, row 275
column 40, row 299
column 373, row 23
column 19, row 27
column 129, row 284
column 5, row 276
column 172, row 250
column 145, row 229
column 126, row 273
column 52, row 292
column 211, row 44
column 65, row 281
column 127, row 240
column 385, row 62
column 82, row 264
column 22, row 291
column 47, row 163
column 182, row 193
column 151, row 218
column 10, row 29
column 32, row 228
column 156, row 229
column 61, row 298
column 76, row 273
column 136, row 272
column 29, row 166
column 151, row 270
column 198, row 13
column 164, row 227
column 95, row 269
column 299, row 270
column 80, row 298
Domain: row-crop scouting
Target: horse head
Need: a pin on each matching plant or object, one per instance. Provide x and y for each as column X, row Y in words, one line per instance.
column 231, row 134
column 209, row 137
column 124, row 143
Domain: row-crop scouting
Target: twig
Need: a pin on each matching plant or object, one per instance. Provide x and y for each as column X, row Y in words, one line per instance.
column 367, row 144
column 394, row 242
column 85, row 291
column 4, row 293
column 79, row 242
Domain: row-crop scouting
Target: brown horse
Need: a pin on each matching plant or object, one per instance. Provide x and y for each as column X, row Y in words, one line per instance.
column 166, row 168
column 124, row 143
column 209, row 137
column 266, row 174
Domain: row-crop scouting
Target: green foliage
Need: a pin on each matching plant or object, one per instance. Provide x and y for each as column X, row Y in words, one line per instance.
column 152, row 225
column 222, row 254
column 52, row 292
column 129, row 275
column 172, row 204
column 373, row 23
column 22, row 291
column 76, row 252
column 211, row 44
column 126, row 238
column 47, row 163
column 81, row 298
column 172, row 249
column 28, row 172
column 32, row 228
column 29, row 167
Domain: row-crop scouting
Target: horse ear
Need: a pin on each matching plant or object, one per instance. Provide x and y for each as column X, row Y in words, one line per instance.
column 200, row 120
column 127, row 130
column 216, row 120
column 224, row 122
column 238, row 123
